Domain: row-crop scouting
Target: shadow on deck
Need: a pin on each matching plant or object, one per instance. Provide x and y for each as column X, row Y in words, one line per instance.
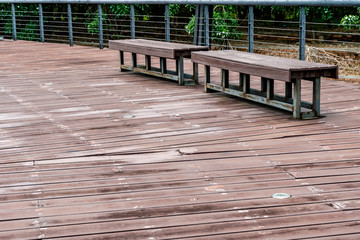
column 88, row 152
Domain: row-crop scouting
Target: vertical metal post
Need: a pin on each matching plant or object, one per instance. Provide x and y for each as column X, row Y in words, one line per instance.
column 167, row 23
column 206, row 26
column 196, row 27
column 251, row 28
column 201, row 26
column 302, row 33
column 71, row 39
column 13, row 21
column 132, row 21
column 41, row 20
column 101, row 37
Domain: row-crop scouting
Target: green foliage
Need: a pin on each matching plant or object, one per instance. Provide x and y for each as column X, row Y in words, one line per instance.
column 119, row 10
column 29, row 25
column 180, row 10
column 351, row 21
column 225, row 24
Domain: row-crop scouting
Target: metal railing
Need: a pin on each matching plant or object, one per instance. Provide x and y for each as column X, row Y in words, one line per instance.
column 325, row 43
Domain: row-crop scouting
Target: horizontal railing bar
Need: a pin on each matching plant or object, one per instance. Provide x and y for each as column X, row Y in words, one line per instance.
column 340, row 3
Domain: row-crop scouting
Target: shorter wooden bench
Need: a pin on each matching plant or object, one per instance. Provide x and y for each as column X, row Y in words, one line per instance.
column 269, row 68
column 163, row 50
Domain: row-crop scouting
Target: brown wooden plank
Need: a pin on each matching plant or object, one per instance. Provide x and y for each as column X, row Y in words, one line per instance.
column 88, row 151
column 264, row 66
column 155, row 48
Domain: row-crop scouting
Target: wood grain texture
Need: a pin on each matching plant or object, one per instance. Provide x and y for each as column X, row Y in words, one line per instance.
column 88, row 152
column 155, row 48
column 265, row 66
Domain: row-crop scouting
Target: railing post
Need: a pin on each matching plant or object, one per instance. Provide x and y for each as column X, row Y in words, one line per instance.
column 302, row 33
column 251, row 28
column 167, row 23
column 132, row 23
column 206, row 26
column 13, row 21
column 101, row 39
column 71, row 40
column 201, row 26
column 196, row 27
column 41, row 20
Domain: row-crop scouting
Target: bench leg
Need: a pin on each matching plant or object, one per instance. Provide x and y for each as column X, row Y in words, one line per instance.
column 297, row 99
column 316, row 97
column 122, row 61
column 196, row 73
column 134, row 59
column 177, row 67
column 244, row 82
column 180, row 64
column 270, row 89
column 207, row 78
column 288, row 90
column 263, row 84
column 147, row 62
column 225, row 78
column 163, row 68
column 241, row 81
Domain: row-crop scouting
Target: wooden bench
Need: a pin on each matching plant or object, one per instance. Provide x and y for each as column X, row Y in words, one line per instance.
column 269, row 68
column 163, row 50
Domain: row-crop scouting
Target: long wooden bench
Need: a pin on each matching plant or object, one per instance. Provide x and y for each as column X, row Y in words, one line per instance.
column 269, row 68
column 163, row 50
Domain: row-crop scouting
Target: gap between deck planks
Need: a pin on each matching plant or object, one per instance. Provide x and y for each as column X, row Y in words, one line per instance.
column 88, row 152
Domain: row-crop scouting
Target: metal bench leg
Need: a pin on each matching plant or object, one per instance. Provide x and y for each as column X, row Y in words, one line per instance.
column 196, row 73
column 180, row 64
column 316, row 97
column 147, row 62
column 288, row 90
column 297, row 99
column 207, row 78
column 134, row 59
column 270, row 89
column 163, row 68
column 225, row 78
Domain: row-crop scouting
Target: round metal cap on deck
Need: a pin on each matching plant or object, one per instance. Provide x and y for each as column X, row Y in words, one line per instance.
column 281, row 195
column 128, row 116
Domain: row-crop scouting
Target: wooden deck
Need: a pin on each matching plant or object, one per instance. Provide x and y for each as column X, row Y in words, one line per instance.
column 87, row 152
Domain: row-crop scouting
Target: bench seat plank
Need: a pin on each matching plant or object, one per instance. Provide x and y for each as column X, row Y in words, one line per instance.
column 155, row 48
column 265, row 66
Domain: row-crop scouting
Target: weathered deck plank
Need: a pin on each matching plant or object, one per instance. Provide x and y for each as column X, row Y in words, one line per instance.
column 88, row 152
